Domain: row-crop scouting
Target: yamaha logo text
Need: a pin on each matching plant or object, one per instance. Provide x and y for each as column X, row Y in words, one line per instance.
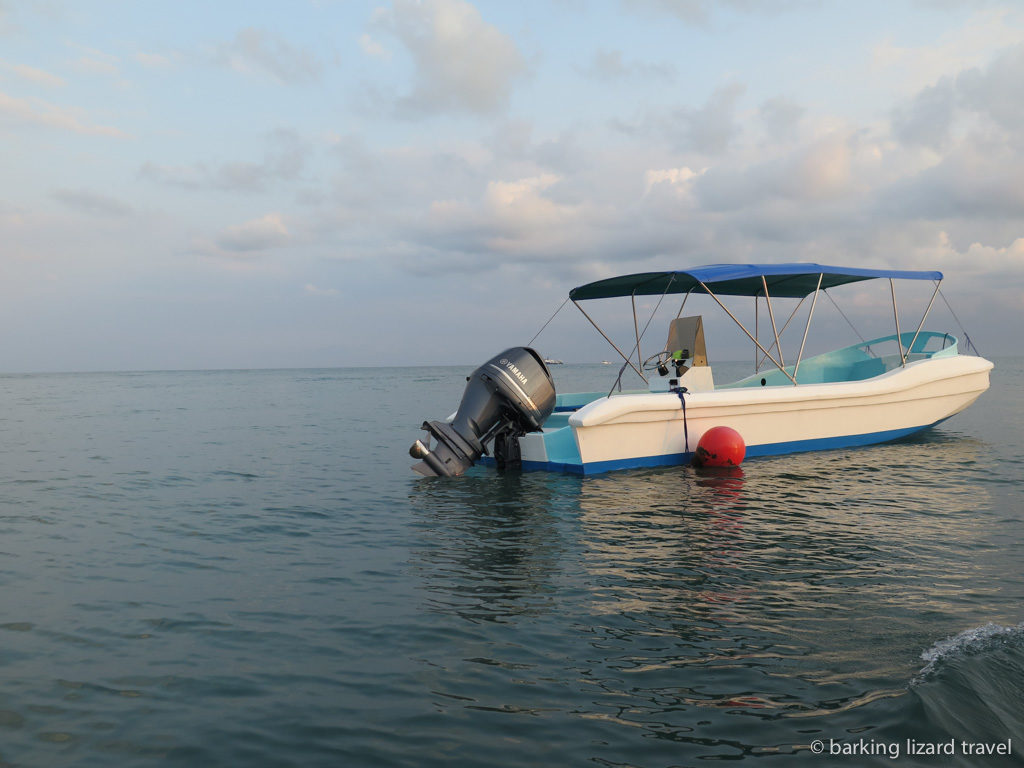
column 515, row 371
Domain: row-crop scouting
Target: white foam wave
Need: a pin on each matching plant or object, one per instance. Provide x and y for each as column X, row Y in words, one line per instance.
column 968, row 642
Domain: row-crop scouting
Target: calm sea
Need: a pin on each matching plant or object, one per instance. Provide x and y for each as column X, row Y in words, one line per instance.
column 238, row 568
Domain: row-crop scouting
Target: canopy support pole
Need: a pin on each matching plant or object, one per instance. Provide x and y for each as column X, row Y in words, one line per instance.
column 923, row 318
column 757, row 332
column 771, row 316
column 807, row 327
column 744, row 329
column 630, row 362
column 636, row 329
column 896, row 316
column 680, row 312
column 785, row 325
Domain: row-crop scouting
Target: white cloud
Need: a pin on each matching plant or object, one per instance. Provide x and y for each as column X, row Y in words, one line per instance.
column 283, row 161
column 995, row 90
column 314, row 290
column 927, row 119
column 676, row 177
column 373, row 48
column 462, row 62
column 609, row 65
column 781, row 118
column 511, row 218
column 35, row 75
column 815, row 172
column 258, row 52
column 96, row 62
column 154, row 60
column 253, row 236
column 913, row 68
column 92, row 203
column 700, row 12
column 38, row 112
column 710, row 128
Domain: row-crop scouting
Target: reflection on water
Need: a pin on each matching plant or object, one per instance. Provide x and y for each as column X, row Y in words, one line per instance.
column 691, row 602
column 490, row 544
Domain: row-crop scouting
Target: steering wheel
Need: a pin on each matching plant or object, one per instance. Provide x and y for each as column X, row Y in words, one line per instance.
column 657, row 361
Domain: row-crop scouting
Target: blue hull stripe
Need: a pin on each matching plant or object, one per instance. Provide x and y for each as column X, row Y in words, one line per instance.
column 767, row 449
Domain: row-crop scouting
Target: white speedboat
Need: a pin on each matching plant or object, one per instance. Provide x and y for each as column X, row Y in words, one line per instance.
column 866, row 393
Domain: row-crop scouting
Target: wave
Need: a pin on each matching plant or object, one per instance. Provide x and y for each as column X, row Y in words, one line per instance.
column 970, row 686
column 971, row 642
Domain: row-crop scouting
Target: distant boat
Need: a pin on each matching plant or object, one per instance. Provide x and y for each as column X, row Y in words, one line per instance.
column 606, row 362
column 552, row 361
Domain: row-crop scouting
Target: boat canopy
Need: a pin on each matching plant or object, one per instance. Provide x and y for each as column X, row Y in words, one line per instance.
column 788, row 280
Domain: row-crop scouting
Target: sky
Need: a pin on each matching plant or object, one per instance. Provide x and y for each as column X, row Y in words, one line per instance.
column 198, row 185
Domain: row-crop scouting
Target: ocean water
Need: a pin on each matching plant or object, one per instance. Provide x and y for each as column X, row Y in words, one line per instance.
column 239, row 568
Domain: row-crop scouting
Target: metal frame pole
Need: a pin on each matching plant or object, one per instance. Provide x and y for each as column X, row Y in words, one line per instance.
column 744, row 329
column 680, row 312
column 896, row 315
column 757, row 332
column 771, row 315
column 792, row 314
column 800, row 354
column 630, row 362
column 636, row 330
column 923, row 318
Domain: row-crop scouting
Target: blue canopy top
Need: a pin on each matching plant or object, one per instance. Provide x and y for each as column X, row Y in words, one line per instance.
column 789, row 280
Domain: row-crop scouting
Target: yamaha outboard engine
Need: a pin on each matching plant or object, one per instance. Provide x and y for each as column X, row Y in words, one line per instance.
column 509, row 395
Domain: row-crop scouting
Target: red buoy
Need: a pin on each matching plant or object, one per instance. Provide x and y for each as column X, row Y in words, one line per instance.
column 720, row 447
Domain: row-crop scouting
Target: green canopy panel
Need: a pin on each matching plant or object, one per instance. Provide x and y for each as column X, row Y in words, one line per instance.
column 786, row 280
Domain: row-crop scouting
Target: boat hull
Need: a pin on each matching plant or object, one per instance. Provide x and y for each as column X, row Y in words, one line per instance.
column 639, row 430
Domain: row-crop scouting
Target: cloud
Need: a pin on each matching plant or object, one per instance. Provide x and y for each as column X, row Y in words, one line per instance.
column 928, row 118
column 974, row 121
column 708, row 182
column 699, row 12
column 35, row 75
column 257, row 52
column 373, row 48
column 995, row 91
column 38, row 112
column 94, row 62
column 512, row 216
column 462, row 63
column 154, row 60
column 92, row 203
column 781, row 118
column 610, row 65
column 691, row 184
column 253, row 236
column 675, row 177
column 971, row 182
column 283, row 161
column 710, row 128
column 968, row 45
column 313, row 290
column 990, row 93
column 812, row 173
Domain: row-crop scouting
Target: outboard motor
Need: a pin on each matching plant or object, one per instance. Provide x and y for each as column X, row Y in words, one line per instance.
column 509, row 395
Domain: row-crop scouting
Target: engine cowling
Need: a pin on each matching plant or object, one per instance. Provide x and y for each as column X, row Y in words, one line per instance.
column 509, row 395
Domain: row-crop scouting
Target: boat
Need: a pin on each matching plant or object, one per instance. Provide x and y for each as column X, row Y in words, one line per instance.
column 552, row 361
column 873, row 391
